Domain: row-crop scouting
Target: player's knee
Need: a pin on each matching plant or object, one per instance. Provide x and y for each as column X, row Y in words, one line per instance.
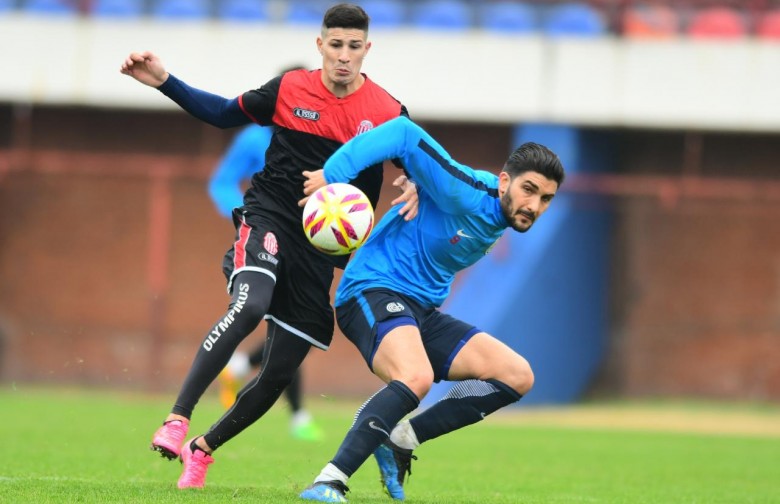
column 523, row 378
column 419, row 381
column 519, row 376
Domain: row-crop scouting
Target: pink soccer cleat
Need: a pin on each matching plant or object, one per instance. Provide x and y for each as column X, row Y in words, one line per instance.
column 168, row 438
column 196, row 463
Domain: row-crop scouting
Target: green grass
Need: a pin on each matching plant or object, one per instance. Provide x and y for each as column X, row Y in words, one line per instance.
column 92, row 446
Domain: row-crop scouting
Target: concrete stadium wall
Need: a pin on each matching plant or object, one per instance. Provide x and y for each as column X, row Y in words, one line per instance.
column 462, row 76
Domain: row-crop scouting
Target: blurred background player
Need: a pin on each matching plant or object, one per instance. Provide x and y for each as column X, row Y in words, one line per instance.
column 244, row 157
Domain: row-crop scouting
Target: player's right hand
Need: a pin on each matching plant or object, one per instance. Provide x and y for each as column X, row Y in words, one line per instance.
column 145, row 67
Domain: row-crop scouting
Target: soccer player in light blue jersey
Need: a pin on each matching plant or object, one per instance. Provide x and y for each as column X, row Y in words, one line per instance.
column 388, row 300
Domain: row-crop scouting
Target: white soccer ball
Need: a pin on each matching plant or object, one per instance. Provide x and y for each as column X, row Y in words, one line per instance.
column 338, row 218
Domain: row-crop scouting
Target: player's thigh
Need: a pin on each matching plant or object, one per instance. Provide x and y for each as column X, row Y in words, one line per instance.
column 377, row 315
column 301, row 301
column 401, row 356
column 484, row 357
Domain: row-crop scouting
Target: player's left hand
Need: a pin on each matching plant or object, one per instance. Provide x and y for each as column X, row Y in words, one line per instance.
column 314, row 180
column 409, row 197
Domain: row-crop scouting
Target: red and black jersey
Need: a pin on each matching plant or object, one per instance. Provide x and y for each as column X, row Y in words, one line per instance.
column 310, row 124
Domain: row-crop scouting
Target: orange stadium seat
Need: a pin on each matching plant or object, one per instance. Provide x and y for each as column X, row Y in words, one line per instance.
column 719, row 22
column 769, row 25
column 650, row 21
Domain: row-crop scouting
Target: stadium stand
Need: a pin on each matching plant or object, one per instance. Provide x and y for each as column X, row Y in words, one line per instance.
column 768, row 26
column 385, row 13
column 50, row 7
column 650, row 20
column 507, row 16
column 701, row 19
column 442, row 15
column 117, row 9
column 305, row 11
column 245, row 11
column 573, row 20
column 717, row 22
column 182, row 10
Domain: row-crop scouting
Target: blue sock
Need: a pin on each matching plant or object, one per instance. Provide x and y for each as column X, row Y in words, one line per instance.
column 466, row 403
column 373, row 423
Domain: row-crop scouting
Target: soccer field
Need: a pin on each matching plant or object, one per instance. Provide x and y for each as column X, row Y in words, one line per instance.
column 92, row 446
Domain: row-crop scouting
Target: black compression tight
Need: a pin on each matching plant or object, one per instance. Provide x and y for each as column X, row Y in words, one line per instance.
column 284, row 353
column 252, row 293
column 294, row 392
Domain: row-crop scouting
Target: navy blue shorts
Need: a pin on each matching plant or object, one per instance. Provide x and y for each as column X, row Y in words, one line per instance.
column 361, row 318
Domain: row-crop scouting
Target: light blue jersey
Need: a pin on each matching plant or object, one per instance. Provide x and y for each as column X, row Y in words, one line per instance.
column 459, row 216
column 244, row 158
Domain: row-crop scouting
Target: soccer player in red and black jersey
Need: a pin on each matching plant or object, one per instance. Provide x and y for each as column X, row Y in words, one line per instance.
column 272, row 271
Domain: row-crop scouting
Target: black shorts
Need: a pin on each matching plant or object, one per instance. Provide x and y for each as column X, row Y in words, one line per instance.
column 442, row 335
column 301, row 298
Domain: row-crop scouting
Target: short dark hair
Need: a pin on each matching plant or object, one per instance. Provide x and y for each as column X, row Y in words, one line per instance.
column 345, row 15
column 535, row 157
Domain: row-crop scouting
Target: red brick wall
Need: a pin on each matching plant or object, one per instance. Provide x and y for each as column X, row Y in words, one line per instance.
column 696, row 283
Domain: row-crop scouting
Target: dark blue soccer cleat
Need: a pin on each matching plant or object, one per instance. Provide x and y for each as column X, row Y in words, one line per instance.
column 394, row 464
column 325, row 491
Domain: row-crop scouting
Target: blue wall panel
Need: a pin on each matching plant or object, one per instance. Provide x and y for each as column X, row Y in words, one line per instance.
column 545, row 292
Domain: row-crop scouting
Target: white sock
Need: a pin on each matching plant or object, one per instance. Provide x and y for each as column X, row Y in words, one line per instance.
column 331, row 473
column 300, row 417
column 239, row 365
column 403, row 435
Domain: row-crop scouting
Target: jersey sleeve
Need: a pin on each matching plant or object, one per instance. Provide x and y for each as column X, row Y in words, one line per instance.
column 260, row 104
column 208, row 107
column 454, row 187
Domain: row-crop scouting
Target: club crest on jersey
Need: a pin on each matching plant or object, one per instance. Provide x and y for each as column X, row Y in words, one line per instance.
column 365, row 125
column 270, row 243
column 309, row 115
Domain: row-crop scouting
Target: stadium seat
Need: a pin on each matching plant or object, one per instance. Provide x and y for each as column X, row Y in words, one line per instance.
column 50, row 7
column 441, row 15
column 717, row 23
column 650, row 21
column 573, row 19
column 181, row 9
column 385, row 13
column 243, row 10
column 7, row 5
column 306, row 11
column 508, row 16
column 768, row 26
column 128, row 9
